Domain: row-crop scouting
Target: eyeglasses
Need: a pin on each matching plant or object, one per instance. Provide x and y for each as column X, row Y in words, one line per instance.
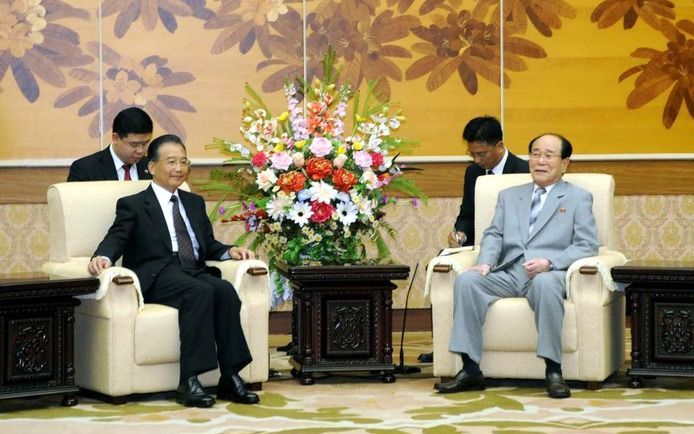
column 136, row 145
column 482, row 154
column 172, row 163
column 538, row 155
column 479, row 155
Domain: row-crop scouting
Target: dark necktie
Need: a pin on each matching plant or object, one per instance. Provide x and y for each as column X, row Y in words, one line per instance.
column 535, row 207
column 490, row 172
column 185, row 245
column 127, row 177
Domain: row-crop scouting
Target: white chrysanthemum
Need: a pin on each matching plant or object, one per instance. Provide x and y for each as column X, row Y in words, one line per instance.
column 322, row 192
column 278, row 207
column 347, row 213
column 366, row 207
column 266, row 179
column 300, row 213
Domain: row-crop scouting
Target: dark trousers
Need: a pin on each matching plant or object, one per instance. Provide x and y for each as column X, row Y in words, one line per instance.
column 208, row 319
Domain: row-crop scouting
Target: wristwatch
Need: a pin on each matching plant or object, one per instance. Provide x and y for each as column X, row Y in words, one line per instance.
column 551, row 266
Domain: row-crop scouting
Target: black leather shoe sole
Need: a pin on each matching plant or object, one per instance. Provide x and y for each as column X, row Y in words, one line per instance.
column 286, row 347
column 462, row 383
column 426, row 358
column 250, row 398
column 195, row 402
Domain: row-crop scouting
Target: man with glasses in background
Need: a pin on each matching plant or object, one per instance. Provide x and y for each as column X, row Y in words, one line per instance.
column 124, row 159
column 485, row 145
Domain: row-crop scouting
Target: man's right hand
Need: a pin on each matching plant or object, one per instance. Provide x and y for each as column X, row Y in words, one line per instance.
column 483, row 269
column 98, row 264
column 456, row 239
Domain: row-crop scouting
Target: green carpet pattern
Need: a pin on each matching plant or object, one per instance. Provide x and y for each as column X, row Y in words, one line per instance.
column 357, row 404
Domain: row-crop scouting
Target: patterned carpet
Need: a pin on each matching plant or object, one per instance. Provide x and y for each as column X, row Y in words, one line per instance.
column 358, row 404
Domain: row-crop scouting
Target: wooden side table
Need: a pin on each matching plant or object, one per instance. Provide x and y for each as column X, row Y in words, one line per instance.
column 36, row 335
column 342, row 319
column 661, row 296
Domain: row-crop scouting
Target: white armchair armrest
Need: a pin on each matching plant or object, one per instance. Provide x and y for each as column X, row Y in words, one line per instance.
column 456, row 262
column 599, row 265
column 236, row 271
column 77, row 267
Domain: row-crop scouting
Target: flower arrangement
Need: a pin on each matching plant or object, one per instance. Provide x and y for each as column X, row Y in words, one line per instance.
column 313, row 183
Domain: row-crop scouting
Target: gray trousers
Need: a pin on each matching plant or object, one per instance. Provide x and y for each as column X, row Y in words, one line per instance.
column 474, row 294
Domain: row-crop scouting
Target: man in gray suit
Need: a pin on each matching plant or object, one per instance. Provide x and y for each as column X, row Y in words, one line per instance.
column 538, row 231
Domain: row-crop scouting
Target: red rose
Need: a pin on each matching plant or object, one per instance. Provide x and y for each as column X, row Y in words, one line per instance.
column 318, row 168
column 343, row 180
column 291, row 181
column 321, row 212
column 376, row 159
column 259, row 159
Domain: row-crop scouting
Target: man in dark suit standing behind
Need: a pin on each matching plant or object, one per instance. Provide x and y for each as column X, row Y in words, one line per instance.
column 485, row 145
column 124, row 157
column 165, row 237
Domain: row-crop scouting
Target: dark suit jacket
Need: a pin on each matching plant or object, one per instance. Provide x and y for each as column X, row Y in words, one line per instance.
column 99, row 166
column 139, row 233
column 466, row 217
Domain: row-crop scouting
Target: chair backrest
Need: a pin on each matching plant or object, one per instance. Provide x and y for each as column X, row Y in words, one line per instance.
column 600, row 185
column 80, row 214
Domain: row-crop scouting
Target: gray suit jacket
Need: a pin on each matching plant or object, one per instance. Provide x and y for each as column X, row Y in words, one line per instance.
column 564, row 232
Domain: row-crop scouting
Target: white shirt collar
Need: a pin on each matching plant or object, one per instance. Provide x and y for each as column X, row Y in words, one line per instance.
column 547, row 188
column 120, row 170
column 499, row 168
column 163, row 195
column 117, row 161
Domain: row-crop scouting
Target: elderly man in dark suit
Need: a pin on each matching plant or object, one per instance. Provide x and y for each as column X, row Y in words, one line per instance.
column 539, row 229
column 165, row 237
column 124, row 159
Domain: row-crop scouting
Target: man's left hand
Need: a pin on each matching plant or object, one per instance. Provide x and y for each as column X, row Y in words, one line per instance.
column 534, row 267
column 240, row 253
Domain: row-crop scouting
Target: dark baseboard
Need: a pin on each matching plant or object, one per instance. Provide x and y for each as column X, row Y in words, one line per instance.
column 418, row 320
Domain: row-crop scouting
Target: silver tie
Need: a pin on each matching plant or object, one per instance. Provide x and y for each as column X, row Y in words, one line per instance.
column 535, row 207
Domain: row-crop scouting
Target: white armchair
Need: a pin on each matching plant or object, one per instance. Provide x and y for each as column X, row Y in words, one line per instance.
column 122, row 345
column 593, row 333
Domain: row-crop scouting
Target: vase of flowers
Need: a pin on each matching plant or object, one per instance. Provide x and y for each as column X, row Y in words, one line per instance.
column 313, row 181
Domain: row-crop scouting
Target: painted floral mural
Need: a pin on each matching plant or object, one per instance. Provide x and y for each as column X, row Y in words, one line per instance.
column 127, row 83
column 668, row 71
column 33, row 45
column 429, row 47
column 150, row 12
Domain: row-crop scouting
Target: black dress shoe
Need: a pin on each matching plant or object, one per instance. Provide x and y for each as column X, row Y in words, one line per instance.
column 461, row 382
column 233, row 389
column 556, row 386
column 191, row 394
column 286, row 347
column 426, row 357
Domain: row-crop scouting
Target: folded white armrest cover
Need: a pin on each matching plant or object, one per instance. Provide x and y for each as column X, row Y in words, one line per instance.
column 457, row 258
column 238, row 270
column 77, row 268
column 604, row 261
